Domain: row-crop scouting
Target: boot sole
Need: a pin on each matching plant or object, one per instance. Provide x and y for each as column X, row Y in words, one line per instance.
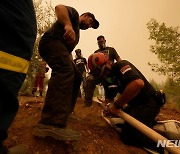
column 50, row 133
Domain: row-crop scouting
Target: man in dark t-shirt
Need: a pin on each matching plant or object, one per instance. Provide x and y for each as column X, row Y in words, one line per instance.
column 137, row 96
column 55, row 48
column 17, row 37
column 80, row 61
column 109, row 51
column 81, row 64
column 92, row 81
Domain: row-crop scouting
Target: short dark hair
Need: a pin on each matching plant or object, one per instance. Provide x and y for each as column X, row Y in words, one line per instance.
column 96, row 23
column 101, row 36
column 78, row 50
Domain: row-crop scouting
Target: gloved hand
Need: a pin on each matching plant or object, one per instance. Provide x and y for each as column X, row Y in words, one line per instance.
column 110, row 111
column 114, row 110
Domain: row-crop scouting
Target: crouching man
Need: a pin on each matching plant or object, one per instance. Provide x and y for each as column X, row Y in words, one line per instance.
column 137, row 96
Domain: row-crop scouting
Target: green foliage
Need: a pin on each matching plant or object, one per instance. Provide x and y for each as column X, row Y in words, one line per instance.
column 167, row 48
column 171, row 90
column 156, row 85
column 45, row 16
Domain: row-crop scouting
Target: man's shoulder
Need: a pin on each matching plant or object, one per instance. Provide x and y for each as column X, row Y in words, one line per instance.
column 122, row 63
column 108, row 47
column 72, row 10
column 105, row 49
column 75, row 59
column 98, row 50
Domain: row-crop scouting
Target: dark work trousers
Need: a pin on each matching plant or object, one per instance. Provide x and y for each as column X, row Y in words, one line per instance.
column 63, row 86
column 83, row 84
column 38, row 82
column 83, row 74
column 91, row 83
column 10, row 83
column 110, row 92
column 145, row 113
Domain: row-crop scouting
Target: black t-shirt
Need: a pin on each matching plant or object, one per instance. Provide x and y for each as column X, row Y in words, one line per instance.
column 57, row 29
column 111, row 52
column 80, row 63
column 123, row 73
column 18, row 27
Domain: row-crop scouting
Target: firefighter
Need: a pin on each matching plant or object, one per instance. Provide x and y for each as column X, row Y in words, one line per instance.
column 92, row 81
column 17, row 36
column 39, row 78
column 137, row 96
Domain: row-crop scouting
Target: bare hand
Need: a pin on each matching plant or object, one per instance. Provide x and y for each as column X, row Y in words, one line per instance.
column 69, row 34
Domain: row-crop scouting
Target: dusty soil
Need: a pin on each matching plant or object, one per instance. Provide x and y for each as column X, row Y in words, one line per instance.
column 97, row 136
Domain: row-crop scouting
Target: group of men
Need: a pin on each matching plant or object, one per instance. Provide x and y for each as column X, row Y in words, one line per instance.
column 89, row 80
column 17, row 39
column 137, row 96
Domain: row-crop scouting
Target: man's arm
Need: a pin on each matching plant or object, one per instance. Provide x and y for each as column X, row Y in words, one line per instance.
column 116, row 55
column 118, row 59
column 131, row 90
column 71, row 58
column 87, row 68
column 62, row 14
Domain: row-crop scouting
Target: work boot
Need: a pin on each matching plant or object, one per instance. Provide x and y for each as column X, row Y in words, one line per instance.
column 40, row 93
column 87, row 103
column 57, row 133
column 3, row 149
column 19, row 149
column 72, row 118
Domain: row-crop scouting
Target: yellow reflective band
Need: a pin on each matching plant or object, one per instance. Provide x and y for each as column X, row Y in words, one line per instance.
column 13, row 63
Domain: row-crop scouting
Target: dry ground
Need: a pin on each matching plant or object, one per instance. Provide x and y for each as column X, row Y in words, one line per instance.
column 97, row 136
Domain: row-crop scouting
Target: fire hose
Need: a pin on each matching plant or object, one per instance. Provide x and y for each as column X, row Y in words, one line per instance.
column 145, row 130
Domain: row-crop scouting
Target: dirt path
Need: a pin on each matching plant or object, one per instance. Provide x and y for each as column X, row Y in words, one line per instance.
column 97, row 136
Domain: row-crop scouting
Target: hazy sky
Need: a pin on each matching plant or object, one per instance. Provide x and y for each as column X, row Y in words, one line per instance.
column 123, row 23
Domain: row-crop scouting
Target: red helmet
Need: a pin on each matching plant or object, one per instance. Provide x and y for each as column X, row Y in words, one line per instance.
column 97, row 61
